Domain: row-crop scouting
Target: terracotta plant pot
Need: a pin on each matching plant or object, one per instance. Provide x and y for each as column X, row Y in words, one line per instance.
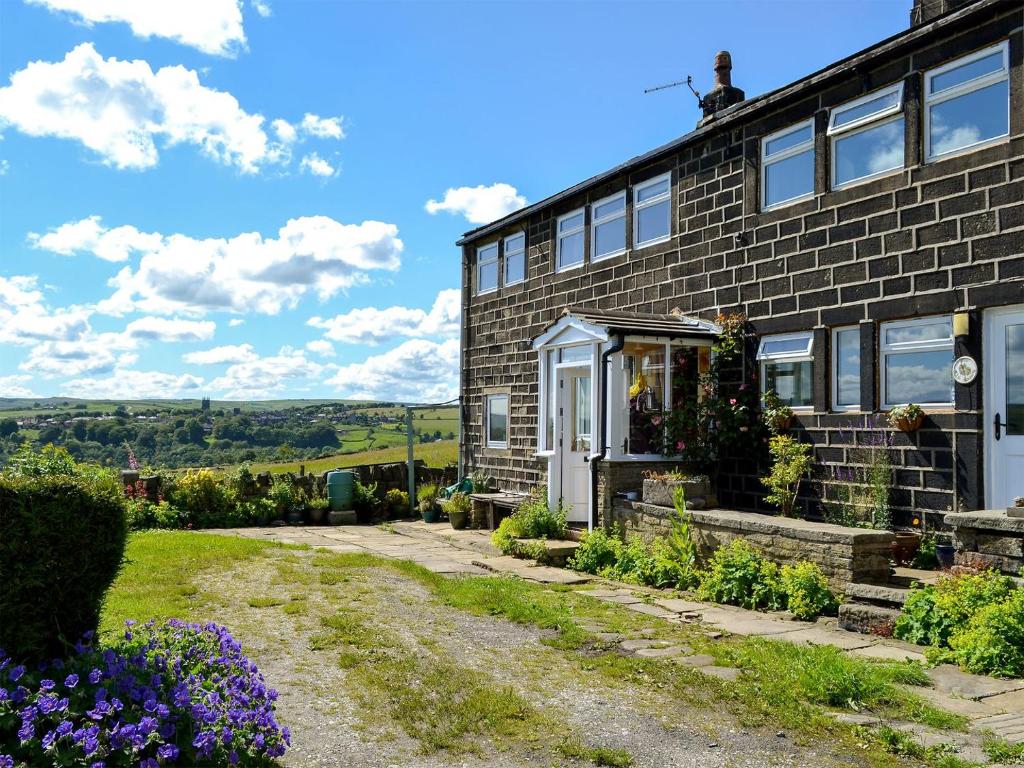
column 908, row 425
column 905, row 547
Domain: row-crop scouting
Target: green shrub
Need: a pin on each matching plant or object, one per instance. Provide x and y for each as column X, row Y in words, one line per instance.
column 635, row 564
column 365, row 501
column 456, row 503
column 62, row 539
column 397, row 498
column 532, row 519
column 807, row 592
column 932, row 614
column 739, row 575
column 993, row 642
column 791, row 461
column 675, row 554
column 597, row 551
column 204, row 498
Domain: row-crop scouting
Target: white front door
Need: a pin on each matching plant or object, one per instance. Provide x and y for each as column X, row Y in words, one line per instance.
column 1004, row 406
column 574, row 435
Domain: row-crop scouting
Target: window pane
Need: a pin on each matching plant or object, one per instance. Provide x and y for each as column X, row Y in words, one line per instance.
column 789, row 178
column 966, row 72
column 969, row 119
column 845, row 115
column 652, row 222
column 573, row 222
column 497, row 419
column 790, row 381
column 488, row 276
column 515, row 243
column 490, row 253
column 549, row 394
column 919, row 377
column 1015, row 380
column 644, row 383
column 581, row 409
column 797, row 344
column 570, row 249
column 869, row 152
column 772, row 146
column 609, row 208
column 847, row 356
column 941, row 330
column 577, row 354
column 652, row 190
column 609, row 237
column 515, row 268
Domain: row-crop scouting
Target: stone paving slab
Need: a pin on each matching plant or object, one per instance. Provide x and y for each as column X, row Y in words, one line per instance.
column 650, row 610
column 846, row 641
column 739, row 624
column 886, row 652
column 639, row 644
column 699, row 660
column 1009, row 726
column 1008, row 702
column 952, row 680
column 958, row 705
column 722, row 673
column 680, row 606
column 621, row 599
column 663, row 653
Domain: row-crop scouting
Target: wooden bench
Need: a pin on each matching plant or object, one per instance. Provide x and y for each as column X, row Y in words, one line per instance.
column 494, row 506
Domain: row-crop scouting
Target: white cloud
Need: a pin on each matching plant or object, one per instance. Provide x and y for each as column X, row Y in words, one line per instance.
column 211, row 26
column 244, row 273
column 375, row 326
column 267, row 376
column 480, row 205
column 323, row 127
column 285, row 131
column 4, row 167
column 170, row 329
column 120, row 109
column 417, row 371
column 262, row 8
column 26, row 319
column 89, row 235
column 129, row 383
column 316, row 165
column 321, row 347
column 15, row 386
column 234, row 322
column 228, row 353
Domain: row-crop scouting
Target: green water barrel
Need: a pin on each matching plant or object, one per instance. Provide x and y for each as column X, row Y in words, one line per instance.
column 339, row 490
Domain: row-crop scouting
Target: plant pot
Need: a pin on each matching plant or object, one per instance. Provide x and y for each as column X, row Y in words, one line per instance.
column 946, row 554
column 905, row 547
column 782, row 423
column 458, row 520
column 294, row 517
column 431, row 515
column 316, row 515
column 908, row 425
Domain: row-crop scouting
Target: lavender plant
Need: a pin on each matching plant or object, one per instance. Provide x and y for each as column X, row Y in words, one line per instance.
column 174, row 694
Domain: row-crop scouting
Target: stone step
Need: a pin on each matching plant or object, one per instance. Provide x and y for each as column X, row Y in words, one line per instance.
column 558, row 550
column 868, row 619
column 887, row 596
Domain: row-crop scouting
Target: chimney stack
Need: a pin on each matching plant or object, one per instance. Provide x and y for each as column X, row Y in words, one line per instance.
column 924, row 11
column 723, row 94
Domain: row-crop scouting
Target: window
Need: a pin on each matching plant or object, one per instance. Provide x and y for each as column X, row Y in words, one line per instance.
column 652, row 210
column 867, row 137
column 487, row 268
column 570, row 241
column 497, row 421
column 787, row 165
column 643, row 368
column 608, row 226
column 846, row 368
column 916, row 359
column 967, row 102
column 786, row 367
column 515, row 259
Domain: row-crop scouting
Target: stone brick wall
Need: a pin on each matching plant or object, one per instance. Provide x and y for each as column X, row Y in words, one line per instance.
column 927, row 240
column 844, row 554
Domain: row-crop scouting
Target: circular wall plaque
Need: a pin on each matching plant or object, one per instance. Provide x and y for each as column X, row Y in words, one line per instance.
column 965, row 370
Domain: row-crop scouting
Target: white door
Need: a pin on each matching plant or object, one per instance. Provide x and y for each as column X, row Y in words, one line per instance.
column 574, row 415
column 1004, row 407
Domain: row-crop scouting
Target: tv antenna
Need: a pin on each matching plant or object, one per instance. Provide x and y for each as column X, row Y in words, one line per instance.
column 688, row 82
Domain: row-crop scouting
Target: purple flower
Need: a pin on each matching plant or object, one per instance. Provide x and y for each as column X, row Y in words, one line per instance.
column 16, row 673
column 6, row 761
column 47, row 685
column 168, row 752
column 71, row 680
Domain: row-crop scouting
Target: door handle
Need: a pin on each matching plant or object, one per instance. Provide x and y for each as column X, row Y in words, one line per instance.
column 998, row 426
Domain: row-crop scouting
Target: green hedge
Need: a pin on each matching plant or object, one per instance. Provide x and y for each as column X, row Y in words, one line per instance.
column 62, row 539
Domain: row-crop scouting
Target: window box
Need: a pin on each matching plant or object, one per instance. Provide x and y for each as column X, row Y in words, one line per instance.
column 915, row 361
column 787, row 166
column 867, row 137
column 652, row 211
column 786, row 361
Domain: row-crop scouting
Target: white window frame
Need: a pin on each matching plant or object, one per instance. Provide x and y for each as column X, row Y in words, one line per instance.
column 785, row 154
column 595, row 222
column 884, row 116
column 559, row 234
column 502, row 444
column 836, row 406
column 806, row 355
column 886, row 350
column 479, row 264
column 516, row 252
column 956, row 91
column 637, row 207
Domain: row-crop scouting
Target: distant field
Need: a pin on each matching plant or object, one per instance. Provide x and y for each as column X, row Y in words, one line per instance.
column 436, row 454
column 23, row 406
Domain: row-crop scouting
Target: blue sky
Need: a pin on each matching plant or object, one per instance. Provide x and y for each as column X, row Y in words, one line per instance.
column 233, row 197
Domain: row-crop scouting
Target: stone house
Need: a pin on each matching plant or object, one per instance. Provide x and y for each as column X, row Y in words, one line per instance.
column 867, row 219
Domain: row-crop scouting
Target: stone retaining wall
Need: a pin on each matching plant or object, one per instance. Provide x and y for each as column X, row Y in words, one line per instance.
column 844, row 554
column 991, row 537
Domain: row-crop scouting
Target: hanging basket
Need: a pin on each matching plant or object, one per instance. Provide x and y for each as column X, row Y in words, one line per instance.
column 908, row 424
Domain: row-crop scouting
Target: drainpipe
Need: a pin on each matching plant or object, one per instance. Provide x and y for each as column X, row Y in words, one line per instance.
column 617, row 344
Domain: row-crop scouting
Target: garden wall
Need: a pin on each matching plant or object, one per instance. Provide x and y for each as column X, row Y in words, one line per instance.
column 844, row 554
column 989, row 537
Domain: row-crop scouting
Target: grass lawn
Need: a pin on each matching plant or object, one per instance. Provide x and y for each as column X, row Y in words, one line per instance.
column 486, row 666
column 436, row 454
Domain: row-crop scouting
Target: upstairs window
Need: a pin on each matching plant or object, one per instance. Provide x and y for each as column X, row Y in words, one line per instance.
column 608, row 225
column 787, row 165
column 867, row 137
column 916, row 358
column 515, row 259
column 652, row 210
column 786, row 367
column 497, row 421
column 487, row 268
column 570, row 246
column 967, row 102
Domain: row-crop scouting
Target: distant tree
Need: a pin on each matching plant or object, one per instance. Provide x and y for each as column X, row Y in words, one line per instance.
column 121, row 411
column 8, row 427
column 78, row 429
column 51, row 434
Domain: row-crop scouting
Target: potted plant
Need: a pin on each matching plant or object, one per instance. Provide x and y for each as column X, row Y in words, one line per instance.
column 776, row 414
column 427, row 502
column 397, row 501
column 660, row 487
column 316, row 510
column 945, row 550
column 906, row 418
column 457, row 508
